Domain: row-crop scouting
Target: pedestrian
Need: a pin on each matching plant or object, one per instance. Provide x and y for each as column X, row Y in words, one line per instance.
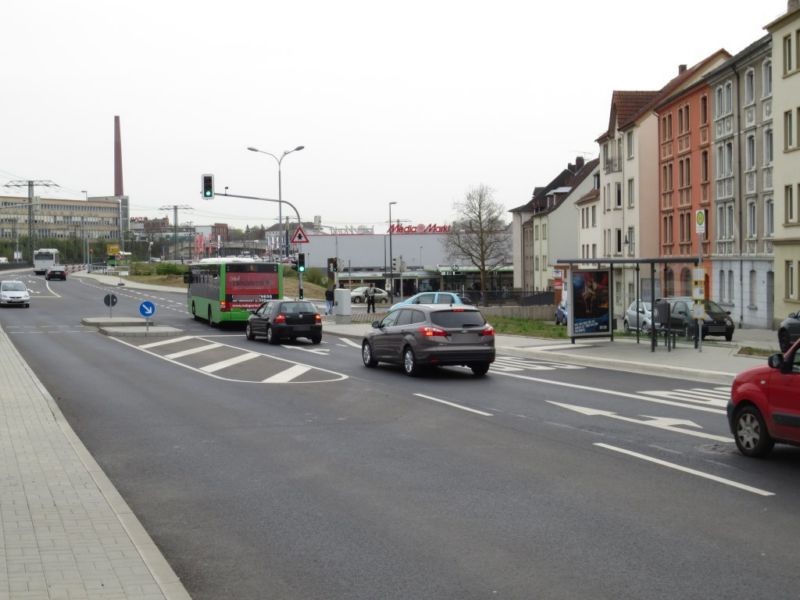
column 370, row 294
column 329, row 300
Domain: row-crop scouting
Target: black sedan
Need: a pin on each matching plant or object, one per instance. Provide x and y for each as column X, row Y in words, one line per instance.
column 56, row 272
column 285, row 319
column 789, row 331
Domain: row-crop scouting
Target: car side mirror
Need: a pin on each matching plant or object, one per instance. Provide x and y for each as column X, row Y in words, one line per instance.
column 775, row 361
column 376, row 324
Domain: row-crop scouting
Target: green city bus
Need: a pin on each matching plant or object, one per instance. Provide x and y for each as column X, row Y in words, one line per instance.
column 223, row 290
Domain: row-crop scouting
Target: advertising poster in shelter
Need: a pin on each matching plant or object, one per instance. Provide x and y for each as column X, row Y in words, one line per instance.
column 590, row 307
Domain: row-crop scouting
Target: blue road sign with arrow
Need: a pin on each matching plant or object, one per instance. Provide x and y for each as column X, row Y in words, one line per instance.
column 147, row 309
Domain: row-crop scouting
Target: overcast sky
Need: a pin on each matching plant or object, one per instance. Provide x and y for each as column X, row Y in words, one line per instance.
column 413, row 102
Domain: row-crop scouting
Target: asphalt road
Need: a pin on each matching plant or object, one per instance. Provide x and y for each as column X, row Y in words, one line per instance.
column 298, row 473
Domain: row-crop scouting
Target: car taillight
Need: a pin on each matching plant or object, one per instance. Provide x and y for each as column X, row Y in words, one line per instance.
column 487, row 330
column 432, row 332
column 224, row 306
column 281, row 318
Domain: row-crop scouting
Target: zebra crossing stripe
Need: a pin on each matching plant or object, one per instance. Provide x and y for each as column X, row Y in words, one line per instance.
column 287, row 374
column 218, row 366
column 191, row 351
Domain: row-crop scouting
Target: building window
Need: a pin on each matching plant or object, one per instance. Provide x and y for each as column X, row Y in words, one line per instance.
column 704, row 110
column 630, row 193
column 594, row 216
column 788, row 204
column 788, row 55
column 750, row 152
column 544, row 231
column 722, row 286
column 618, row 241
column 730, row 286
column 767, row 78
column 768, row 146
column 788, row 130
column 631, row 242
column 544, row 262
column 535, row 232
column 535, row 263
column 728, row 98
column 594, row 250
column 751, row 219
column 596, row 181
column 618, row 195
column 769, row 217
column 752, row 294
column 789, row 279
column 704, row 166
column 718, row 106
column 749, row 87
column 629, row 143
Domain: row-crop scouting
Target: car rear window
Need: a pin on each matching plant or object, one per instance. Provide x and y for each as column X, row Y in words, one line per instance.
column 458, row 318
column 297, row 307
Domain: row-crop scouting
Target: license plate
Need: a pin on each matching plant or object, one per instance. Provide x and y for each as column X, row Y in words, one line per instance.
column 717, row 329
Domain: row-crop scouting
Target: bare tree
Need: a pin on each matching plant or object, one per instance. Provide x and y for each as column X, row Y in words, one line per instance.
column 479, row 235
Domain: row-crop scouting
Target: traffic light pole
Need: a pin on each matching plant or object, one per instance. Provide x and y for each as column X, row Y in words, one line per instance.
column 299, row 223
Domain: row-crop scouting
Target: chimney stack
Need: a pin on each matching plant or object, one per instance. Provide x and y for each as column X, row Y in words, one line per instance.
column 681, row 69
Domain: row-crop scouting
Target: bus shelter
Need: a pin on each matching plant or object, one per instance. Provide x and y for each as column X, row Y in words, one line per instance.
column 589, row 286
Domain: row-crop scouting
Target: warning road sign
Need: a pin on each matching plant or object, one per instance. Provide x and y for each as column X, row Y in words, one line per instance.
column 299, row 236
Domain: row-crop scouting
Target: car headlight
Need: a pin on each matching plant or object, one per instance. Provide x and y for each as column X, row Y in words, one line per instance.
column 728, row 321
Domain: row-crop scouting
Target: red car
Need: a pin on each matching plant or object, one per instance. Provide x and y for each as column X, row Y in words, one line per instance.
column 765, row 404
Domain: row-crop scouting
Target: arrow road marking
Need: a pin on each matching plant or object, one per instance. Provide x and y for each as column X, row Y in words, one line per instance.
column 664, row 423
column 669, row 465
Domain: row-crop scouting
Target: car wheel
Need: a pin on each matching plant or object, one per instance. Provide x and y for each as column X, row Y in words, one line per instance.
column 750, row 431
column 783, row 340
column 728, row 337
column 367, row 356
column 625, row 326
column 479, row 369
column 271, row 337
column 316, row 339
column 248, row 332
column 410, row 365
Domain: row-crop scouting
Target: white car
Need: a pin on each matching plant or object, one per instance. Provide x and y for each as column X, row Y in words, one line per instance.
column 358, row 295
column 14, row 293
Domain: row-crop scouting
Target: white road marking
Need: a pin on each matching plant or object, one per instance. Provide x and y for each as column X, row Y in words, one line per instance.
column 350, row 342
column 287, row 374
column 670, row 465
column 664, row 423
column 166, row 342
column 596, row 390
column 690, row 396
column 191, row 351
column 218, row 366
column 322, row 351
column 454, row 405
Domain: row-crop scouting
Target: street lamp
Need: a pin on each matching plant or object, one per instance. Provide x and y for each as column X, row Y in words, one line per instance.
column 280, row 196
column 391, row 264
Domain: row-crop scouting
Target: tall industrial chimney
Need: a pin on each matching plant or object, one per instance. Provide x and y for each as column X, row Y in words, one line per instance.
column 118, row 188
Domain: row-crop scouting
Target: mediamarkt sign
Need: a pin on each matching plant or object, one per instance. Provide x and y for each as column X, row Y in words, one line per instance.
column 421, row 228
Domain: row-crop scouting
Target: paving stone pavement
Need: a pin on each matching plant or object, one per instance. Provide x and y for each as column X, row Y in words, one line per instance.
column 66, row 531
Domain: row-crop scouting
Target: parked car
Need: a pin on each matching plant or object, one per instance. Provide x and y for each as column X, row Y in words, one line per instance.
column 789, row 331
column 717, row 321
column 562, row 313
column 638, row 316
column 765, row 404
column 358, row 295
column 285, row 319
column 14, row 293
column 433, row 298
column 56, row 272
column 416, row 336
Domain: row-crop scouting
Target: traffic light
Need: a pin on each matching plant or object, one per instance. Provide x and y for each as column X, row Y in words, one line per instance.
column 301, row 262
column 208, row 187
column 394, row 265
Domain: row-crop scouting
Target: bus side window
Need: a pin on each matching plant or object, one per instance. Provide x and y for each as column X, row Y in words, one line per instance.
column 187, row 277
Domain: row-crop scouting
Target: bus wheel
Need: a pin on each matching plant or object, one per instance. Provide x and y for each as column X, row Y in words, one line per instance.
column 210, row 322
column 194, row 313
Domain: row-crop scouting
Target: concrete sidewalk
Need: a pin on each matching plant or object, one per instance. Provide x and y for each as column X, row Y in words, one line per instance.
column 66, row 531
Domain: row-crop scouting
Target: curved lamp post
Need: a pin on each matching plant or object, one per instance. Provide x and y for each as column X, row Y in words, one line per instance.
column 284, row 243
